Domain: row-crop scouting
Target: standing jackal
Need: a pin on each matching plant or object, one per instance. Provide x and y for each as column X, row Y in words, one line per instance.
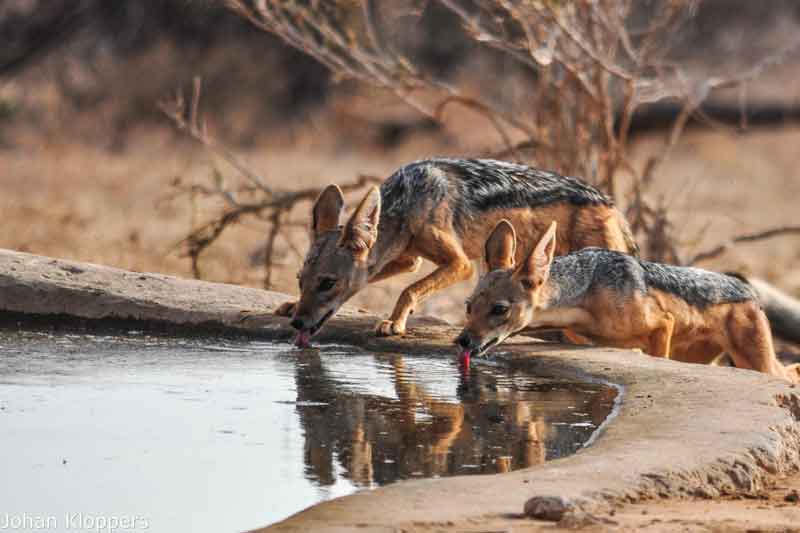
column 441, row 210
column 687, row 314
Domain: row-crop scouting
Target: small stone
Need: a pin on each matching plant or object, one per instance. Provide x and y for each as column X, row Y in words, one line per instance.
column 792, row 497
column 550, row 508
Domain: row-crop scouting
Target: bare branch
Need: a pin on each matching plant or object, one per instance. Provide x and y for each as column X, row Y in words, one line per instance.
column 747, row 237
column 175, row 110
column 274, row 208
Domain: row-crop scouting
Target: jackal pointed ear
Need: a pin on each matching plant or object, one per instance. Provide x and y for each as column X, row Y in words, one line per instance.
column 361, row 231
column 327, row 210
column 535, row 270
column 500, row 247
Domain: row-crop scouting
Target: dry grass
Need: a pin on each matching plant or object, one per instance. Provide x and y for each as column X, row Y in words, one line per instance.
column 85, row 203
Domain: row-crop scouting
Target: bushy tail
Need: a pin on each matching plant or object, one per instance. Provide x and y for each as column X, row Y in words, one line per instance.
column 782, row 310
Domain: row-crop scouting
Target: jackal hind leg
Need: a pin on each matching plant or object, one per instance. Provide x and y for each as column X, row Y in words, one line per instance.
column 750, row 342
column 443, row 249
column 406, row 264
column 661, row 338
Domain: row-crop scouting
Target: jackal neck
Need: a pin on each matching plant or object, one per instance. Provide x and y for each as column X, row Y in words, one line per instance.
column 556, row 308
column 387, row 247
column 570, row 279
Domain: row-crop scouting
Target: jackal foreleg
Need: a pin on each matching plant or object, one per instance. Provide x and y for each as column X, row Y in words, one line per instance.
column 454, row 266
column 661, row 338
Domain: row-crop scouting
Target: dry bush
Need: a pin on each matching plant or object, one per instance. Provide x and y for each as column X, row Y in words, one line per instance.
column 581, row 70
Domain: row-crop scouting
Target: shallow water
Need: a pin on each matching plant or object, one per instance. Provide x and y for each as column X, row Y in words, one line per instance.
column 199, row 434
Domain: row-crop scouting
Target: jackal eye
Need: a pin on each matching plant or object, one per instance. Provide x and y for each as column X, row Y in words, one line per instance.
column 499, row 309
column 469, row 307
column 326, row 284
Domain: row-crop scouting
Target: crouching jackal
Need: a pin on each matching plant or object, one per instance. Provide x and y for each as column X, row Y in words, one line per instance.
column 687, row 314
column 441, row 210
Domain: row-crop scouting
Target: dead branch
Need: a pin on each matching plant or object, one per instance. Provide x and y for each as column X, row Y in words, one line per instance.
column 275, row 210
column 747, row 237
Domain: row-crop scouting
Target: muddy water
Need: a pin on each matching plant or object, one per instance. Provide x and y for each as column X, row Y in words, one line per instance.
column 226, row 435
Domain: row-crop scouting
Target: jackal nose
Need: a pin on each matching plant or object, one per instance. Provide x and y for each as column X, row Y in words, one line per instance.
column 297, row 323
column 464, row 340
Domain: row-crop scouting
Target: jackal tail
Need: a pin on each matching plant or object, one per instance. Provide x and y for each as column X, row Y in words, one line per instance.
column 782, row 310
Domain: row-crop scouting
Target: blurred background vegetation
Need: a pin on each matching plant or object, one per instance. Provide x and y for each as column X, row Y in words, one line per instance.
column 113, row 60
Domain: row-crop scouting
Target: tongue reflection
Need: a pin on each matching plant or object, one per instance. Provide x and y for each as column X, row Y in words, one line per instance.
column 464, row 358
column 303, row 339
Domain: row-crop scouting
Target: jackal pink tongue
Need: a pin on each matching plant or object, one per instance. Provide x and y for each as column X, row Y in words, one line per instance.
column 303, row 339
column 465, row 356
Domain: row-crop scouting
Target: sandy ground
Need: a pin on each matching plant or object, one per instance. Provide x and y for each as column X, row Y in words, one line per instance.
column 767, row 511
column 776, row 509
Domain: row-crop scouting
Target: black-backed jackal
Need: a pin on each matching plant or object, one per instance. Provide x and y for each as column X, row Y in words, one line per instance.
column 441, row 210
column 617, row 300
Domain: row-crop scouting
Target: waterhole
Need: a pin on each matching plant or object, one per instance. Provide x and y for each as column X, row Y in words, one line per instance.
column 201, row 434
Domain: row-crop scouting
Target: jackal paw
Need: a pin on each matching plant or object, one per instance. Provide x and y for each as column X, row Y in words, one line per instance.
column 286, row 309
column 387, row 328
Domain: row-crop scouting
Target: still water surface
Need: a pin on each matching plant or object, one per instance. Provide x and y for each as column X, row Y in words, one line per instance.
column 199, row 434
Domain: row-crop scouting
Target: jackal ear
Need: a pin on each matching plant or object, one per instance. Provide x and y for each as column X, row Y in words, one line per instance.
column 327, row 210
column 361, row 231
column 500, row 247
column 535, row 270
